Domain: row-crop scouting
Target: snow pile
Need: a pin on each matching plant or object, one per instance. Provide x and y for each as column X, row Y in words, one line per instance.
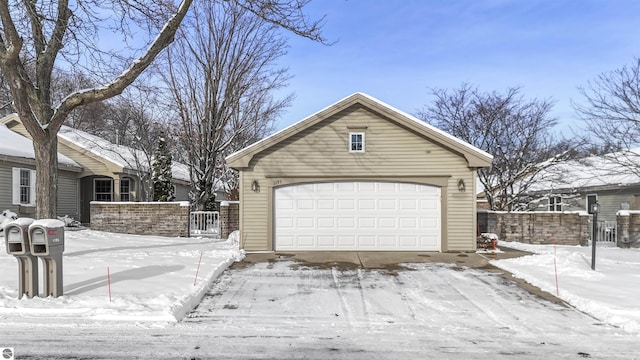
column 6, row 217
column 610, row 293
column 152, row 278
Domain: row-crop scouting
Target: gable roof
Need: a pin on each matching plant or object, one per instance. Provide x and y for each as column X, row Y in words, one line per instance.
column 475, row 157
column 121, row 156
column 17, row 146
column 604, row 171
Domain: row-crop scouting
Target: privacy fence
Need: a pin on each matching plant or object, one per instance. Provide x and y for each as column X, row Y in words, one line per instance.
column 568, row 228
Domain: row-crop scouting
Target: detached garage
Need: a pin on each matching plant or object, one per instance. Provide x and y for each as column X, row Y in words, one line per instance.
column 359, row 175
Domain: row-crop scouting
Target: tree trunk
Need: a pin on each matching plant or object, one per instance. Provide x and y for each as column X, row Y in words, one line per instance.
column 46, row 154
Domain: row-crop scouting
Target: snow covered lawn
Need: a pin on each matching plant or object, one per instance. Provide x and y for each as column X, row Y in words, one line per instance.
column 152, row 278
column 611, row 293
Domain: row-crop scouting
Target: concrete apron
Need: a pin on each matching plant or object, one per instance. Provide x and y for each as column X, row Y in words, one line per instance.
column 392, row 261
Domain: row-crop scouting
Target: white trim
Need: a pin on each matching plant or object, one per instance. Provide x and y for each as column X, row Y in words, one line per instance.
column 555, row 203
column 32, row 188
column 15, row 186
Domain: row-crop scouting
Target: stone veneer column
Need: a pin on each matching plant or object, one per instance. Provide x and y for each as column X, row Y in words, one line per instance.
column 224, row 219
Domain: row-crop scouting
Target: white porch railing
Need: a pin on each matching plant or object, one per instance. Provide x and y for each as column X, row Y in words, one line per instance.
column 204, row 223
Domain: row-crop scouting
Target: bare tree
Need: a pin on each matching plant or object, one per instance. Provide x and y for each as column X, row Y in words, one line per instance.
column 222, row 77
column 611, row 112
column 41, row 35
column 514, row 130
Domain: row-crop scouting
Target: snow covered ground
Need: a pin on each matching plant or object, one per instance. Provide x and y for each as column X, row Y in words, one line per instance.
column 611, row 293
column 152, row 278
column 285, row 309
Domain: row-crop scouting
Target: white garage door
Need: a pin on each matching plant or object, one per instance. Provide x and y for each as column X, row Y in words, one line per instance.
column 357, row 215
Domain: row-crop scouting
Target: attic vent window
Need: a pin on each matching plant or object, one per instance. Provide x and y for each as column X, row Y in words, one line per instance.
column 356, row 142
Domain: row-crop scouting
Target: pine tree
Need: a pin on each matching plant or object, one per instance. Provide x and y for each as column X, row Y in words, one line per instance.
column 162, row 187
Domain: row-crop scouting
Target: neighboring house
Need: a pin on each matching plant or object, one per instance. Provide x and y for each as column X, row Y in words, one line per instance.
column 18, row 177
column 575, row 185
column 109, row 172
column 359, row 175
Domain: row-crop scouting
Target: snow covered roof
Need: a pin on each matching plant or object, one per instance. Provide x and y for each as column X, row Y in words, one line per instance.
column 594, row 171
column 123, row 156
column 475, row 156
column 16, row 145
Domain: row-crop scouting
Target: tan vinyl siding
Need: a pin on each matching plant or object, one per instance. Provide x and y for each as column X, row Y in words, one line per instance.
column 90, row 165
column 68, row 195
column 391, row 151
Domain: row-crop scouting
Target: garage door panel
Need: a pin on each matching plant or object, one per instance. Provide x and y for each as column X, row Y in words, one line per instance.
column 285, row 222
column 408, row 223
column 326, row 204
column 357, row 215
column 345, row 187
column 408, row 204
column 306, row 223
column 327, row 241
column 367, row 204
column 347, row 241
column 387, row 204
column 326, row 222
column 347, row 223
column 367, row 223
column 387, row 223
column 346, row 204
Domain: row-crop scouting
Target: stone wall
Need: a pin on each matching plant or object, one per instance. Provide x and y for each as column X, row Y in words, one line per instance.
column 141, row 218
column 537, row 227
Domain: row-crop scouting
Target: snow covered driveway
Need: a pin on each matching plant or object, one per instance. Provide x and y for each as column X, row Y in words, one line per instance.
column 287, row 310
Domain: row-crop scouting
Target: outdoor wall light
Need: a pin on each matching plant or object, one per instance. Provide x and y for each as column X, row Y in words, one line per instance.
column 255, row 186
column 461, row 186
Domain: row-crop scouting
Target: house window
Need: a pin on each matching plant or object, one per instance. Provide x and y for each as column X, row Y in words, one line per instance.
column 555, row 203
column 591, row 199
column 103, row 189
column 356, row 142
column 23, row 186
column 125, row 189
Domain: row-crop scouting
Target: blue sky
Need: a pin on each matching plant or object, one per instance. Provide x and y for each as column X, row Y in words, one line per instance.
column 397, row 50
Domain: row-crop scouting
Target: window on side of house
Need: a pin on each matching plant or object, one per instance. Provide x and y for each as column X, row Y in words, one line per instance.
column 591, row 199
column 103, row 189
column 356, row 142
column 23, row 186
column 125, row 189
column 555, row 203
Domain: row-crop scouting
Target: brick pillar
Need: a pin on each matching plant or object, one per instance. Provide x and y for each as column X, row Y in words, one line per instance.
column 224, row 219
column 234, row 216
column 623, row 218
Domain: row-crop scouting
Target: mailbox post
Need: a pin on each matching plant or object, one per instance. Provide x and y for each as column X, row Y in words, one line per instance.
column 47, row 243
column 16, row 236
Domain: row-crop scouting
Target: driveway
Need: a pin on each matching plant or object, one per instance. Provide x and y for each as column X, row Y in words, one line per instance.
column 366, row 305
column 355, row 306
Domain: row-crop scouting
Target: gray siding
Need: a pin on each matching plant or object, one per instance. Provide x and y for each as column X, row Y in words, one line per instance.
column 5, row 188
column 610, row 201
column 68, row 192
